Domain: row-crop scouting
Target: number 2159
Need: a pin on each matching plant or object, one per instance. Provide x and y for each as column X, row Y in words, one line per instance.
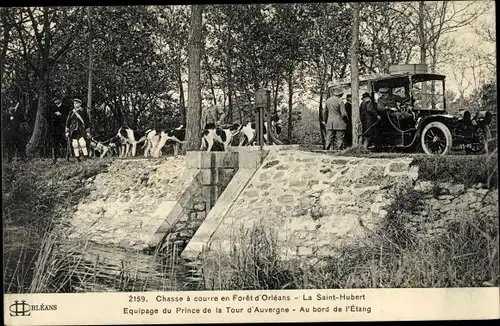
column 136, row 298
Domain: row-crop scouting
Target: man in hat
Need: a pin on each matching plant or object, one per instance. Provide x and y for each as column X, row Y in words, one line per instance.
column 369, row 120
column 388, row 101
column 348, row 131
column 212, row 115
column 77, row 125
column 335, row 119
column 56, row 118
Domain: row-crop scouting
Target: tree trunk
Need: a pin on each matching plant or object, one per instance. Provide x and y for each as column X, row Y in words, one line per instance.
column 6, row 39
column 182, row 101
column 320, row 113
column 40, row 119
column 210, row 77
column 276, row 92
column 422, row 40
column 421, row 32
column 193, row 118
column 230, row 100
column 290, row 104
column 355, row 73
column 91, row 64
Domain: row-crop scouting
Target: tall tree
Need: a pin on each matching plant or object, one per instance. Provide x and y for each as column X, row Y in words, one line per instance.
column 46, row 36
column 435, row 19
column 193, row 116
column 91, row 63
column 355, row 73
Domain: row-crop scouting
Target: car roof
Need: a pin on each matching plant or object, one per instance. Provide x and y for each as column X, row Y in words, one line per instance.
column 391, row 81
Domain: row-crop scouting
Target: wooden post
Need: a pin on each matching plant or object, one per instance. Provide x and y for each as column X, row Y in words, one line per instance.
column 260, row 104
column 270, row 140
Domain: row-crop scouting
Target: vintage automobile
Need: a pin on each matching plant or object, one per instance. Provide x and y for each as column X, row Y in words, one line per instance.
column 427, row 126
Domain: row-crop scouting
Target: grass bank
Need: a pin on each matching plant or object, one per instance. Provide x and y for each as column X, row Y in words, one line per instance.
column 40, row 258
column 36, row 197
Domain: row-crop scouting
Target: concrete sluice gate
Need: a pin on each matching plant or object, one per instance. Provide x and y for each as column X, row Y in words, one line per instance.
column 205, row 201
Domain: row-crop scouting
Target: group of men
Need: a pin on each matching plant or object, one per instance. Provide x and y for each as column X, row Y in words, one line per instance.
column 337, row 117
column 68, row 125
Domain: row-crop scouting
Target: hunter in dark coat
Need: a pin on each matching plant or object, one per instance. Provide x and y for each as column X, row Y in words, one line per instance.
column 77, row 125
column 15, row 133
column 369, row 120
column 56, row 118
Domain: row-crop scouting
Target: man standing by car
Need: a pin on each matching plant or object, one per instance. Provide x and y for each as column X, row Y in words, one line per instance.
column 335, row 120
column 369, row 121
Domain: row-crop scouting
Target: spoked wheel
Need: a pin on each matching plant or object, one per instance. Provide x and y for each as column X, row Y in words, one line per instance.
column 481, row 145
column 436, row 139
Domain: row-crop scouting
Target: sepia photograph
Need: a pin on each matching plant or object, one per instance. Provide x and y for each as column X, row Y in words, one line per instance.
column 259, row 146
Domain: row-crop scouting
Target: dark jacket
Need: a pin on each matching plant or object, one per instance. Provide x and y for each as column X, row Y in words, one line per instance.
column 56, row 118
column 77, row 125
column 348, row 110
column 369, row 118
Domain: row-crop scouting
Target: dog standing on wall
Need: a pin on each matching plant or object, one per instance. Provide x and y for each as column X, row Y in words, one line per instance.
column 224, row 137
column 249, row 134
column 177, row 136
column 129, row 140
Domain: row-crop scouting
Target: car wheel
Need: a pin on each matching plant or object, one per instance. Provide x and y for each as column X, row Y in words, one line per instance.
column 436, row 139
column 483, row 139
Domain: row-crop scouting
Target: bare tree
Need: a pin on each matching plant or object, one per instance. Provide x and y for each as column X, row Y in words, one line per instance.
column 435, row 19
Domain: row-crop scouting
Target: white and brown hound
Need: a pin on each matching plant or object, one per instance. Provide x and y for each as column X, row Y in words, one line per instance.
column 224, row 137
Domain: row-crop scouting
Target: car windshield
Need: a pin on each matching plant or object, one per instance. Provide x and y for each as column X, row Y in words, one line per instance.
column 428, row 95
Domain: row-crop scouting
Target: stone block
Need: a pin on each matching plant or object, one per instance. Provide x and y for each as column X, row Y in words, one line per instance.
column 201, row 216
column 193, row 159
column 251, row 159
column 226, row 159
column 199, row 206
column 164, row 209
column 225, row 175
column 206, row 160
column 205, row 177
column 189, row 192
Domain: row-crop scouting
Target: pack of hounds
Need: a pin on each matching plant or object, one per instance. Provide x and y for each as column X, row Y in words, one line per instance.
column 125, row 142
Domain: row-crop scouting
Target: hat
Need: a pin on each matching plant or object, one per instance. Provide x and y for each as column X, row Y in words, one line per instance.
column 383, row 90
column 365, row 95
column 337, row 91
column 77, row 100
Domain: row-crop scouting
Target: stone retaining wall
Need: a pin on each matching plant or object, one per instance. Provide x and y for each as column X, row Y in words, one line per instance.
column 313, row 202
column 119, row 210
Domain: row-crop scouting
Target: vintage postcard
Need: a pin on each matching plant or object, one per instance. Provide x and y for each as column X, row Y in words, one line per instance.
column 267, row 162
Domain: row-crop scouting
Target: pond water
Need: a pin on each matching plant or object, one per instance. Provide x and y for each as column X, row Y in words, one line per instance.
column 96, row 268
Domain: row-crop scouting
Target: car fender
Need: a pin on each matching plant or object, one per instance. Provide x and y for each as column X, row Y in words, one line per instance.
column 447, row 119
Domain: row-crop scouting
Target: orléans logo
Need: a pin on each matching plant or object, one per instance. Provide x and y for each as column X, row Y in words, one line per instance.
column 20, row 308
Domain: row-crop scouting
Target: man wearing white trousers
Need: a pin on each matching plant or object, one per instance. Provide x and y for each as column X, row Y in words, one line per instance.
column 77, row 125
